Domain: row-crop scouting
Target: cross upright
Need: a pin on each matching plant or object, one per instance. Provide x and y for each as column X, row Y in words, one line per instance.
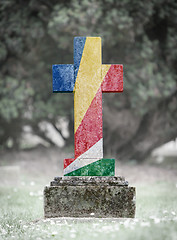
column 88, row 78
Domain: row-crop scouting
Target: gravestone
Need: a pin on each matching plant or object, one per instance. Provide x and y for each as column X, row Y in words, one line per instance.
column 89, row 187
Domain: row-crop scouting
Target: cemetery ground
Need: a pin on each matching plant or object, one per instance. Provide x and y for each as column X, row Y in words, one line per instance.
column 23, row 176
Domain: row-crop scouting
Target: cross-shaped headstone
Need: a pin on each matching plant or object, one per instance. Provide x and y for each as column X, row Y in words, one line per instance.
column 88, row 78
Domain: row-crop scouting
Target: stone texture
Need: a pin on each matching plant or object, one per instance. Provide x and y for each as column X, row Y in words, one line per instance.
column 91, row 167
column 84, row 181
column 87, row 78
column 89, row 197
column 73, row 196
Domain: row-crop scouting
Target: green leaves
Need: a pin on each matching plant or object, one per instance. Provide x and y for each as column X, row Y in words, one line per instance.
column 34, row 35
column 14, row 96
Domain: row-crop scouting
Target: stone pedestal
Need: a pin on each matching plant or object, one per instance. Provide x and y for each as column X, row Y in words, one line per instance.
column 89, row 197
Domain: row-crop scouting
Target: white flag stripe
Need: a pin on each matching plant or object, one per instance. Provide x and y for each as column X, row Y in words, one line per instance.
column 86, row 158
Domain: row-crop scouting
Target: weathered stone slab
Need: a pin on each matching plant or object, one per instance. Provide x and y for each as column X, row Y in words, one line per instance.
column 87, row 180
column 89, row 187
column 89, row 197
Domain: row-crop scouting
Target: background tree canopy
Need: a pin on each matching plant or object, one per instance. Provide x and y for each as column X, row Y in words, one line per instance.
column 141, row 35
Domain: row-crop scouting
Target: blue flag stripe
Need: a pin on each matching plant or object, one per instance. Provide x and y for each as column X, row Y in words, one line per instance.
column 63, row 78
column 79, row 43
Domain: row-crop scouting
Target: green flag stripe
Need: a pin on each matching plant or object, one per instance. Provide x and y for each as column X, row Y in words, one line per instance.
column 102, row 167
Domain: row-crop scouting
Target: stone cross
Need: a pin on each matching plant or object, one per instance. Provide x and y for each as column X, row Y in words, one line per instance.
column 88, row 78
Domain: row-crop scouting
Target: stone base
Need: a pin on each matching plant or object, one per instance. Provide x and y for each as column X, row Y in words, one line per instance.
column 89, row 197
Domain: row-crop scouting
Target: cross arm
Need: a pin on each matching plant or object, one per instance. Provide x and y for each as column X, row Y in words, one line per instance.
column 63, row 78
column 112, row 78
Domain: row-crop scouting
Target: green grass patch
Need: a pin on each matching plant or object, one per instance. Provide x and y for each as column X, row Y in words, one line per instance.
column 21, row 216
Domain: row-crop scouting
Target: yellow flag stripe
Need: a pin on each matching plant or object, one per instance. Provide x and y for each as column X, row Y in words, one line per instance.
column 105, row 69
column 88, row 78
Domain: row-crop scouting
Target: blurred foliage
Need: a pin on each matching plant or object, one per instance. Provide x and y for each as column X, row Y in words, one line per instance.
column 36, row 34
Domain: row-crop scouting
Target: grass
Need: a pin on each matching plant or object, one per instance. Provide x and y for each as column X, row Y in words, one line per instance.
column 21, row 216
column 21, row 201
